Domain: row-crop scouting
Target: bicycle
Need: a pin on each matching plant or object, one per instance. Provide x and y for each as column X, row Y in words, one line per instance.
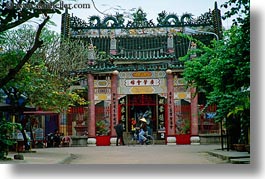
column 133, row 139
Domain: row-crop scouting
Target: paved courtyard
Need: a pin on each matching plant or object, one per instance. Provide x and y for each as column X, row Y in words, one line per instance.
column 156, row 154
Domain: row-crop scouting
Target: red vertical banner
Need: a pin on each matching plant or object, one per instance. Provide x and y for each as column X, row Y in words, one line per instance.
column 166, row 120
column 170, row 105
column 114, row 101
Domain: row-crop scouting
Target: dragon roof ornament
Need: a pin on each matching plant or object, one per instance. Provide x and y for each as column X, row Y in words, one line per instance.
column 140, row 21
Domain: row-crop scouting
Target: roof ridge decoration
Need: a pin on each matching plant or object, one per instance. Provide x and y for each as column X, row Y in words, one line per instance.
column 94, row 21
column 140, row 21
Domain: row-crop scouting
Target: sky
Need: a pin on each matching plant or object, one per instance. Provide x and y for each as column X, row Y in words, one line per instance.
column 151, row 7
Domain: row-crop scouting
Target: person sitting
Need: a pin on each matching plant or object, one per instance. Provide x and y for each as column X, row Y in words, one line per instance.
column 56, row 139
column 66, row 141
column 143, row 129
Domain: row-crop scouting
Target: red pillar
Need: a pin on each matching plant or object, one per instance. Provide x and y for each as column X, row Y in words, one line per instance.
column 91, row 107
column 194, row 113
column 195, row 139
column 114, row 101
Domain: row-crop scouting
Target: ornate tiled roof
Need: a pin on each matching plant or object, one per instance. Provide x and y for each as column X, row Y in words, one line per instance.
column 109, row 68
column 139, row 44
column 142, row 56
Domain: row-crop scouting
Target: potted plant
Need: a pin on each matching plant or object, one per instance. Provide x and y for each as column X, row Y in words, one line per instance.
column 102, row 128
column 241, row 145
column 183, row 137
column 102, row 133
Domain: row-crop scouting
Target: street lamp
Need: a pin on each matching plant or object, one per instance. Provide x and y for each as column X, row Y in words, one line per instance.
column 190, row 31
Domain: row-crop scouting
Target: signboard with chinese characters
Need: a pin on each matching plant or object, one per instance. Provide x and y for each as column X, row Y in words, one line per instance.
column 142, row 82
column 139, row 82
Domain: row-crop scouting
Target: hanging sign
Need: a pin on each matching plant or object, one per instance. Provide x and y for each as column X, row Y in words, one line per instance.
column 142, row 82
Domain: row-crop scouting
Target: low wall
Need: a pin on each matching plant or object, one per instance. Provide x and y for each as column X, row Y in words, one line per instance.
column 79, row 141
column 210, row 138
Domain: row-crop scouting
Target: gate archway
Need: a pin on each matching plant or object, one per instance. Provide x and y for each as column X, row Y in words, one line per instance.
column 142, row 105
column 150, row 106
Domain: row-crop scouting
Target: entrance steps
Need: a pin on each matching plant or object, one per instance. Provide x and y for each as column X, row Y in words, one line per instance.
column 231, row 156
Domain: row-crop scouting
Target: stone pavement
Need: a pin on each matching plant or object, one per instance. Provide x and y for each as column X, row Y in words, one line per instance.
column 156, row 154
column 232, row 156
column 40, row 156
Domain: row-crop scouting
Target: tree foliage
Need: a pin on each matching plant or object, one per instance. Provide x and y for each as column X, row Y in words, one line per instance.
column 6, row 129
column 222, row 71
column 36, row 80
column 67, row 57
column 38, row 85
column 16, row 12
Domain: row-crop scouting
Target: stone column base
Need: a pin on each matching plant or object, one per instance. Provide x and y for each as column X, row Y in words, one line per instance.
column 195, row 140
column 171, row 141
column 113, row 141
column 91, row 142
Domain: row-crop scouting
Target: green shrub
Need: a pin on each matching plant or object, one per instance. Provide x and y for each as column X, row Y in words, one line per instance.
column 6, row 139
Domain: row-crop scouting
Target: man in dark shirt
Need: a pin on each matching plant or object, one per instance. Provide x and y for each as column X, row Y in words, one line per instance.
column 119, row 132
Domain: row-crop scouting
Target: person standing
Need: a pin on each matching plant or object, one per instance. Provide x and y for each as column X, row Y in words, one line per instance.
column 57, row 138
column 119, row 132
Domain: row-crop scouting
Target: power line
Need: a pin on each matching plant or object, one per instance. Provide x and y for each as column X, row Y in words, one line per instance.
column 98, row 9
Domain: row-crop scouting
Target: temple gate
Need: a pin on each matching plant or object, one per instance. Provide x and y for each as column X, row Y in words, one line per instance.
column 135, row 69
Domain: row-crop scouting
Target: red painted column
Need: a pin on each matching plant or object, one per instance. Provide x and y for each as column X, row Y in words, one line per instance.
column 114, row 101
column 91, row 107
column 195, row 139
column 170, row 103
column 194, row 113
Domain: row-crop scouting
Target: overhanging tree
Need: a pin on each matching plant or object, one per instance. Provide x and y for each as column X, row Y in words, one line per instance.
column 222, row 72
column 14, row 13
column 38, row 84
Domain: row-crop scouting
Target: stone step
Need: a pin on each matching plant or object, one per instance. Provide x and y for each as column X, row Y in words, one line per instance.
column 233, row 157
column 240, row 161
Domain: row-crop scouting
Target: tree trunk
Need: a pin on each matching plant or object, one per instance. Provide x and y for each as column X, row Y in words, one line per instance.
column 37, row 43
